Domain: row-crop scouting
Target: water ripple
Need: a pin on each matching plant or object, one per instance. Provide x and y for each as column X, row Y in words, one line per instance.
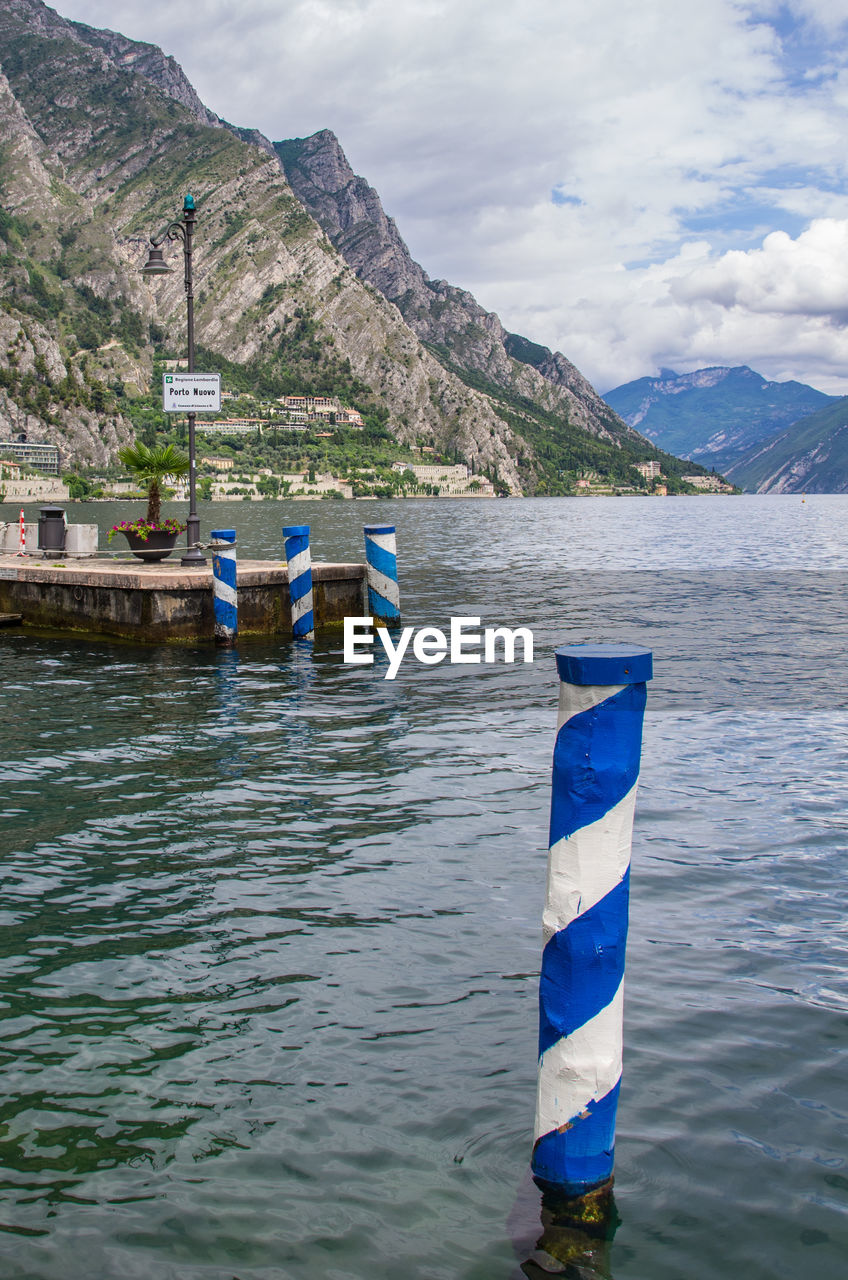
column 271, row 925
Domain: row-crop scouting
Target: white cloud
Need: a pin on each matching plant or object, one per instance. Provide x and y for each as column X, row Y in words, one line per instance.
column 781, row 308
column 807, row 276
column 467, row 114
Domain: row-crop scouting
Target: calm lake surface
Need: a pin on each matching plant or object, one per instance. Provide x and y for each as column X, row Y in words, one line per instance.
column 271, row 924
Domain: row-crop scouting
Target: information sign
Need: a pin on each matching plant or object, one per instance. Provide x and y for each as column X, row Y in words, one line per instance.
column 191, row 392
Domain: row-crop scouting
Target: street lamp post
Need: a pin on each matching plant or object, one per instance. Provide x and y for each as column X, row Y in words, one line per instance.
column 156, row 266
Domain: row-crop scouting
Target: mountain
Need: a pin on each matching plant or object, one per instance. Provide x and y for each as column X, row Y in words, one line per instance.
column 447, row 319
column 101, row 138
column 810, row 456
column 715, row 415
column 537, row 390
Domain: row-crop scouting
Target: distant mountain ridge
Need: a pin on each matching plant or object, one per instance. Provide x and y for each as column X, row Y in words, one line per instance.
column 714, row 416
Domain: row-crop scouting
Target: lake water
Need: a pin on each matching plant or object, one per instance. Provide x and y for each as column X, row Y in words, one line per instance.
column 271, row 924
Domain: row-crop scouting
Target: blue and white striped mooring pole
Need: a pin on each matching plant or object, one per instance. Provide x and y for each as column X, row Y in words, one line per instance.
column 596, row 766
column 299, row 562
column 224, row 586
column 381, row 572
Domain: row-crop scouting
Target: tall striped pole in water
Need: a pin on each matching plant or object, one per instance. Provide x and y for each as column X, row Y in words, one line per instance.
column 224, row 586
column 595, row 770
column 299, row 562
column 381, row 572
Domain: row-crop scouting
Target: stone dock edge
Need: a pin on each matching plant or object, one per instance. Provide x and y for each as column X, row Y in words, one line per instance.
column 168, row 604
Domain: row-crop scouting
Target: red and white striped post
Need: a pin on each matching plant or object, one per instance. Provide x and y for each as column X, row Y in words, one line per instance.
column 22, row 543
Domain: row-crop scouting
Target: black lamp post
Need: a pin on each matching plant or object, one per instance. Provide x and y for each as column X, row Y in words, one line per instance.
column 157, row 266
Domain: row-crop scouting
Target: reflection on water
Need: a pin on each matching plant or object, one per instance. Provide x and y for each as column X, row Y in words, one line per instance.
column 272, row 925
column 576, row 1235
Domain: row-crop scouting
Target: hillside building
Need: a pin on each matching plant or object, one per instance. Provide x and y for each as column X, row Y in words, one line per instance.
column 650, row 470
column 44, row 457
column 453, row 481
column 709, row 484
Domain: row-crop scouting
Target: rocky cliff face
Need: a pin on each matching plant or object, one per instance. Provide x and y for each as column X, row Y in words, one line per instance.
column 148, row 61
column 446, row 318
column 132, row 55
column 44, row 392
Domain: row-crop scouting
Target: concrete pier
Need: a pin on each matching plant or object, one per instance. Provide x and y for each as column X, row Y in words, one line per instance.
column 167, row 604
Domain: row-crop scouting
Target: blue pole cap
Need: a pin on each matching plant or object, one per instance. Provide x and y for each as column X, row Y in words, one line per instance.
column 379, row 528
column 188, row 203
column 295, row 530
column 223, row 535
column 603, row 664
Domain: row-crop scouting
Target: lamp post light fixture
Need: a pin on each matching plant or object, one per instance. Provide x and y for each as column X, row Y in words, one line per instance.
column 157, row 266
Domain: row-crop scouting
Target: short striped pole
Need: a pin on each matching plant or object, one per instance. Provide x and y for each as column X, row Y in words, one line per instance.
column 299, row 563
column 224, row 586
column 595, row 771
column 22, row 539
column 381, row 572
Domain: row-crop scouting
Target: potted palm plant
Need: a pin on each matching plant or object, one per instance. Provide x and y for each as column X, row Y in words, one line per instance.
column 150, row 537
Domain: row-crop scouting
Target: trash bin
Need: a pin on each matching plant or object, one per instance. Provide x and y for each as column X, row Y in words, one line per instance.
column 51, row 529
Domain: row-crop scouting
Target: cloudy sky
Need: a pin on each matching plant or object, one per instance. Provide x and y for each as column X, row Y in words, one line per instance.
column 638, row 185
